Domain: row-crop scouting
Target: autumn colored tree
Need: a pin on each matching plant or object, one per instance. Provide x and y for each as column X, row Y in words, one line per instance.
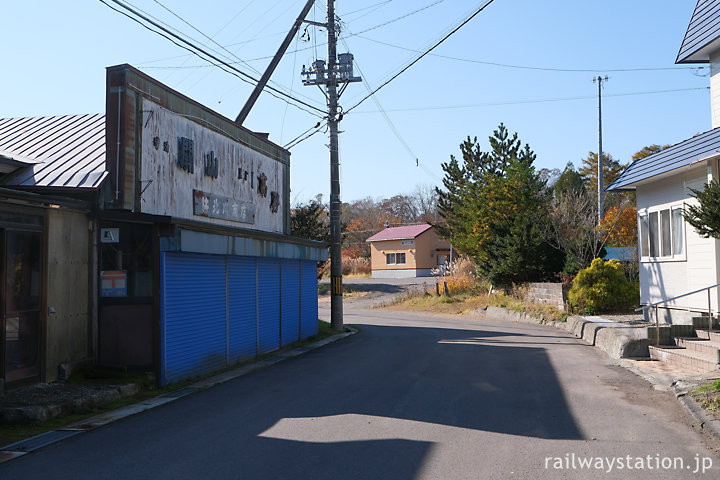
column 649, row 150
column 612, row 168
column 619, row 226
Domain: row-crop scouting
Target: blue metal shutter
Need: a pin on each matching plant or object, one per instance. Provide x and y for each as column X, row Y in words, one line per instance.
column 242, row 301
column 308, row 300
column 193, row 315
column 268, row 304
column 290, row 292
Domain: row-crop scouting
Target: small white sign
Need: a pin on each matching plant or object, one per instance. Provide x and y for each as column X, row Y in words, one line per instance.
column 109, row 235
column 407, row 242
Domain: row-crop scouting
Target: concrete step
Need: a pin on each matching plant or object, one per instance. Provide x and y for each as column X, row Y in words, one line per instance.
column 713, row 335
column 709, row 348
column 683, row 358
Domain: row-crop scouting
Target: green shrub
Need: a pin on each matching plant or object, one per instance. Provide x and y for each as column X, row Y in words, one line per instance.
column 603, row 287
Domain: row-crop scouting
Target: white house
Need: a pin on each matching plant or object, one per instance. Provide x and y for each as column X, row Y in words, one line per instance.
column 674, row 259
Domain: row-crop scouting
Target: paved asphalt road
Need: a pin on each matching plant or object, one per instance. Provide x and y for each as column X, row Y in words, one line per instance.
column 411, row 396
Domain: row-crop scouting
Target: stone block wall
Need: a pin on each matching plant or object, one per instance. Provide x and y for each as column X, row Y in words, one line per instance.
column 550, row 293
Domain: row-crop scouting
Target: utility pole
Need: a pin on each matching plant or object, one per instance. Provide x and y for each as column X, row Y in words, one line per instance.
column 337, row 72
column 601, row 213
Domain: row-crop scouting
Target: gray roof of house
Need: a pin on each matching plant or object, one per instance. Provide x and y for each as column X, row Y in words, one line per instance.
column 63, row 151
column 702, row 34
column 678, row 156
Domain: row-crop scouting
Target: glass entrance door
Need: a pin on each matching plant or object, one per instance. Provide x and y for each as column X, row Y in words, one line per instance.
column 22, row 285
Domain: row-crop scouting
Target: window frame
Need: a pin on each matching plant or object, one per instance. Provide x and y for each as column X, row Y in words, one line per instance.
column 395, row 258
column 656, row 225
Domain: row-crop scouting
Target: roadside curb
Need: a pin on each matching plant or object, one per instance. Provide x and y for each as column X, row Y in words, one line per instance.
column 680, row 388
column 617, row 341
column 618, row 345
column 32, row 444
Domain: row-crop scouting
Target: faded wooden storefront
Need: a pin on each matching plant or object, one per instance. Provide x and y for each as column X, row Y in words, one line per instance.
column 50, row 172
column 196, row 267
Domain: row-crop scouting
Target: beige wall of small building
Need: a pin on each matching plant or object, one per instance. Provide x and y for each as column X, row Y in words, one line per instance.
column 421, row 254
column 67, row 329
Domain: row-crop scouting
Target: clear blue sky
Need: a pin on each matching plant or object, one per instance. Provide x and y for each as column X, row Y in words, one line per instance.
column 54, row 56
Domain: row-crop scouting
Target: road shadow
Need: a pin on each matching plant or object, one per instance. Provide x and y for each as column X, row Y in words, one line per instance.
column 366, row 407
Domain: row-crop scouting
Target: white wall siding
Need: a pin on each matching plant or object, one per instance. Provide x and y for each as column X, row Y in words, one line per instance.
column 666, row 279
column 715, row 88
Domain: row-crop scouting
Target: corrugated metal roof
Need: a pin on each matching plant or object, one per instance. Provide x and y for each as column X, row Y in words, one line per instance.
column 678, row 156
column 703, row 30
column 63, row 151
column 399, row 233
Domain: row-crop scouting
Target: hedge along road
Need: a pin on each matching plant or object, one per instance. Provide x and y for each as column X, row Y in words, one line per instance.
column 410, row 396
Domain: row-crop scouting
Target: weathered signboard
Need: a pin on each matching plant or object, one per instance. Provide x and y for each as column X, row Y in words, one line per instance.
column 191, row 171
column 215, row 206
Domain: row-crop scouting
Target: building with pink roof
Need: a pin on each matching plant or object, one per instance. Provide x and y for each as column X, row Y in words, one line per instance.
column 407, row 251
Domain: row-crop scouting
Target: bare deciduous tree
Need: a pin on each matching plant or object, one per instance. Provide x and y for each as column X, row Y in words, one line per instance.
column 571, row 228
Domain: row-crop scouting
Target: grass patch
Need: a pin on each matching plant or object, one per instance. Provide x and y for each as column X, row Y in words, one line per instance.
column 465, row 302
column 109, row 376
column 708, row 396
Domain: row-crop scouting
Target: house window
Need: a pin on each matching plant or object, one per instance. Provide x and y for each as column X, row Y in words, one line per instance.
column 395, row 258
column 677, row 222
column 662, row 234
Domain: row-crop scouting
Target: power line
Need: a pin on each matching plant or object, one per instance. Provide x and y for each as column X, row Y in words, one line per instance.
column 204, row 35
column 231, row 54
column 402, row 17
column 423, row 54
column 267, row 14
column 546, row 100
column 297, row 140
column 194, row 49
column 379, row 4
column 362, row 31
column 526, row 67
column 390, row 123
column 235, row 16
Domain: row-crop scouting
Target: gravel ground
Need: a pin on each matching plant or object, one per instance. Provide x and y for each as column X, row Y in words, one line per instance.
column 40, row 402
column 51, row 393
